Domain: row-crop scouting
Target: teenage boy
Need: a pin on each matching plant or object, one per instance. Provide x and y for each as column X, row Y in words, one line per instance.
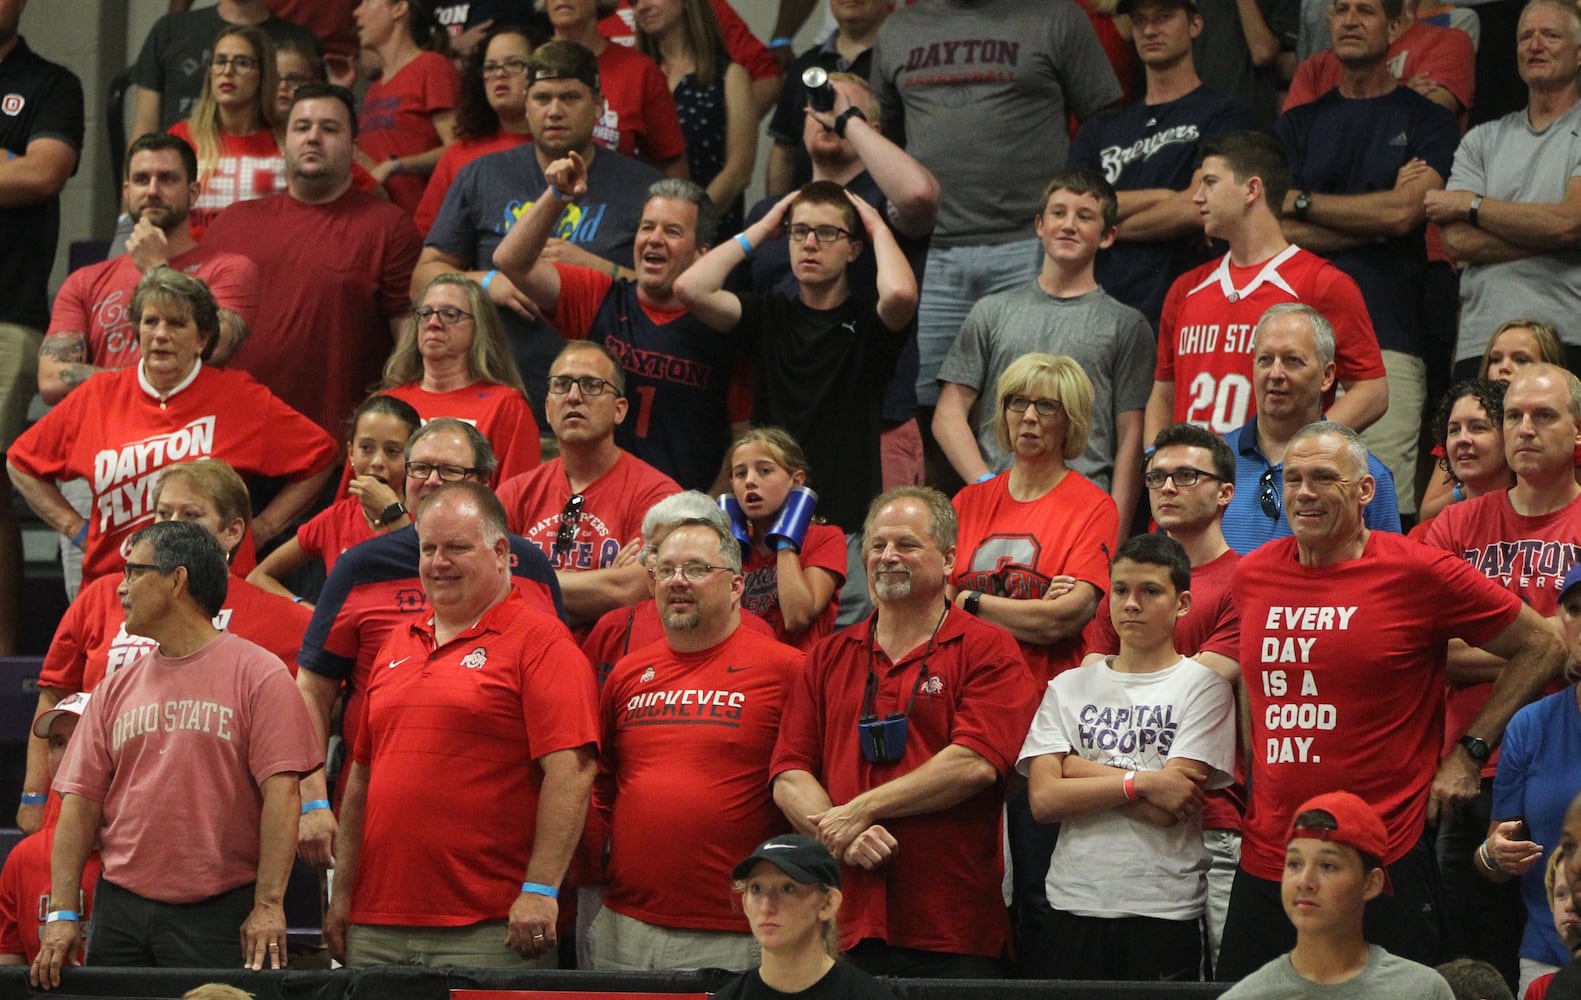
column 1120, row 754
column 1063, row 311
column 821, row 359
column 1333, row 867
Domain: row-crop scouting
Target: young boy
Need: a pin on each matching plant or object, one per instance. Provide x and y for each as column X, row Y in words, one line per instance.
column 1333, row 867
column 1120, row 753
column 822, row 359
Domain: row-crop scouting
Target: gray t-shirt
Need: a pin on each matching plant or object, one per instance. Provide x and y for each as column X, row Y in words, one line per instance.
column 1111, row 341
column 175, row 55
column 1386, row 975
column 1509, row 160
column 978, row 91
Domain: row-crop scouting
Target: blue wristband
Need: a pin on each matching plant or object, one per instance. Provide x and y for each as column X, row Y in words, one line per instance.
column 55, row 916
column 539, row 889
column 313, row 805
column 34, row 798
column 488, row 278
column 782, row 43
column 551, row 189
column 81, row 536
column 985, row 477
column 746, row 244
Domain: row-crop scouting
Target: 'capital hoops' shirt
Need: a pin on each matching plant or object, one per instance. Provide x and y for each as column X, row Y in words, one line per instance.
column 1205, row 333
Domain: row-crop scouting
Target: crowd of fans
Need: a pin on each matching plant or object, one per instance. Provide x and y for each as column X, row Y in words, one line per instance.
column 464, row 346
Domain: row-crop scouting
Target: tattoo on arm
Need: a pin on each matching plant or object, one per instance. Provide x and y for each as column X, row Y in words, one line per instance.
column 74, row 375
column 233, row 332
column 64, row 348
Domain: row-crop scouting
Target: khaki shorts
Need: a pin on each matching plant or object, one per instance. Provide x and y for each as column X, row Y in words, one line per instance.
column 18, row 378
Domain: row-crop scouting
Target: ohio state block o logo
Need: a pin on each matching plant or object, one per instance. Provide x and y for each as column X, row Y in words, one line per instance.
column 11, row 104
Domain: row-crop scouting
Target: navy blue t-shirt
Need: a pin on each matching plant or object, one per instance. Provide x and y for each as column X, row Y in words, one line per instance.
column 1148, row 146
column 1340, row 145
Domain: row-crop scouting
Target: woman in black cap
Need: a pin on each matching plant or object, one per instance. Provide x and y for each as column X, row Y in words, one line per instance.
column 790, row 891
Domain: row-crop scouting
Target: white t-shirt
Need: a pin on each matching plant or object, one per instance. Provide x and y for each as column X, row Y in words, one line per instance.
column 1105, row 864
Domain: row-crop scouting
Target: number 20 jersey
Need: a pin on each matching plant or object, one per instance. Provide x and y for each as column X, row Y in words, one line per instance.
column 1205, row 332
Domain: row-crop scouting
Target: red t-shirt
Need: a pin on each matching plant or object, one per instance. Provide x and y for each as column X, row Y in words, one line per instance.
column 233, row 719
column 686, row 742
column 639, row 114
column 451, row 736
column 941, row 892
column 249, row 166
column 1013, row 549
column 502, row 414
column 1344, row 671
column 623, row 630
column 96, row 301
column 336, row 275
column 91, row 642
column 742, row 46
column 24, row 890
column 1205, row 332
column 330, row 20
column 1528, row 556
column 457, row 155
column 823, row 549
column 333, row 530
column 118, row 436
column 397, row 119
column 612, row 509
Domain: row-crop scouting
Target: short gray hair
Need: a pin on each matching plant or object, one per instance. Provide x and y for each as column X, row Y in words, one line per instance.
column 684, row 510
column 189, row 545
column 1322, row 329
column 1354, row 449
column 482, row 452
column 943, row 524
column 675, row 189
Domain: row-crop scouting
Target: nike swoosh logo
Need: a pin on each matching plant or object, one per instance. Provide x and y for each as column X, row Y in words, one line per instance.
column 396, row 663
column 734, row 670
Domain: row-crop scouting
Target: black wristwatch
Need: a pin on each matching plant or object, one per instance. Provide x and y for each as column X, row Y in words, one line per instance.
column 1303, row 205
column 973, row 603
column 845, row 116
column 1477, row 748
column 390, row 513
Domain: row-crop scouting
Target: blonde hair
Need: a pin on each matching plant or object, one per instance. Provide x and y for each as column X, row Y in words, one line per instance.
column 205, row 121
column 782, row 449
column 1547, row 338
column 488, row 359
column 216, row 991
column 1059, row 375
column 216, row 480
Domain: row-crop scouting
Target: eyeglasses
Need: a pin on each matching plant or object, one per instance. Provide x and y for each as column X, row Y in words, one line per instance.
column 591, row 385
column 447, row 473
column 1268, row 496
column 570, row 517
column 1183, row 477
column 241, row 64
column 510, row 67
column 691, row 572
column 1045, row 407
column 823, row 234
column 448, row 315
column 134, row 570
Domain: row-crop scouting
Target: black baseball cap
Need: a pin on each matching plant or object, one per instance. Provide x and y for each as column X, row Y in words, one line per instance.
column 802, row 858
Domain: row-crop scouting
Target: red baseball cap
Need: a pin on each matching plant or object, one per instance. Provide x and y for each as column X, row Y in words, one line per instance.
column 1356, row 824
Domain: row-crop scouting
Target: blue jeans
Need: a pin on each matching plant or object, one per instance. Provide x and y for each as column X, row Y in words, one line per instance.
column 955, row 279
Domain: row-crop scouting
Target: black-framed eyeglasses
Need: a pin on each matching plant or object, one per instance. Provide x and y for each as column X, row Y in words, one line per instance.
column 133, row 570
column 591, row 385
column 241, row 64
column 448, row 315
column 570, row 517
column 447, row 473
column 1183, row 477
column 799, row 231
column 691, row 571
column 1045, row 407
column 1268, row 495
column 509, row 67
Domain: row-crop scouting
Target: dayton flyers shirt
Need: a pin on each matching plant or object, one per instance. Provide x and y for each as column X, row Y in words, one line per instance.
column 1205, row 333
